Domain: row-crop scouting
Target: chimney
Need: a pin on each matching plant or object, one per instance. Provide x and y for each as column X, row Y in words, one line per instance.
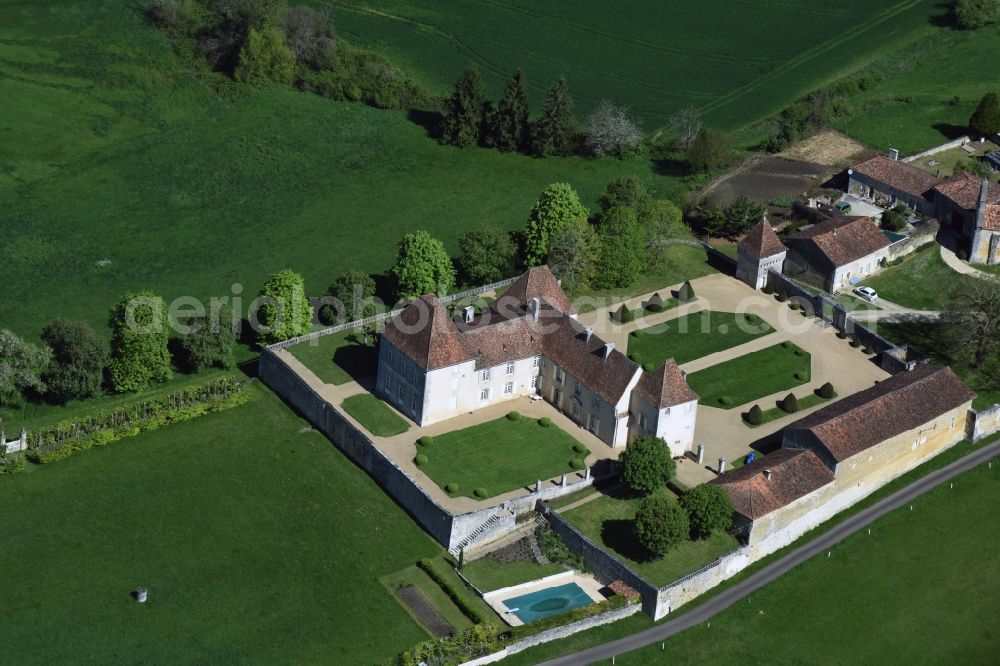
column 722, row 465
column 767, row 475
column 534, row 306
column 984, row 191
column 893, row 154
column 589, row 331
column 469, row 313
column 608, row 348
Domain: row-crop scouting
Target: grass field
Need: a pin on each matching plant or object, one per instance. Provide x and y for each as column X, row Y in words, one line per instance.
column 695, row 335
column 646, row 56
column 608, row 521
column 377, row 417
column 239, row 523
column 437, row 597
column 499, row 456
column 489, row 575
column 337, row 359
column 922, row 281
column 752, row 376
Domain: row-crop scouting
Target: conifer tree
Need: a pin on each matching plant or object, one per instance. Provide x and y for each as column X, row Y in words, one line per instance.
column 511, row 129
column 464, row 116
column 555, row 131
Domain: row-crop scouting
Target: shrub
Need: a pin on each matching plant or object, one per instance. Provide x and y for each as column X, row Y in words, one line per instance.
column 513, row 416
column 782, row 295
column 648, row 367
column 841, row 335
column 799, row 352
column 635, row 358
column 794, row 306
column 576, row 463
column 420, row 460
column 637, row 333
column 755, row 416
column 15, row 463
column 962, row 254
column 826, row 391
column 579, row 448
column 545, row 422
column 869, row 350
column 768, row 288
column 451, row 488
column 855, row 342
column 655, row 303
column 480, row 493
column 426, row 441
column 622, row 315
column 726, row 400
column 786, row 345
column 686, row 293
column 801, row 376
column 789, row 404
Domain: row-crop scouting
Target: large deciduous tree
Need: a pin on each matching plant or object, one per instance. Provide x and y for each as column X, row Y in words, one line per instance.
column 139, row 337
column 625, row 191
column 21, row 368
column 557, row 205
column 710, row 151
column 265, row 58
column 623, row 248
column 463, row 119
column 422, row 266
column 972, row 14
column 210, row 340
column 488, row 255
column 574, row 251
column 977, row 312
column 985, row 120
column 354, row 291
column 284, row 311
column 610, row 131
column 554, row 133
column 685, row 125
column 661, row 524
column 731, row 221
column 709, row 509
column 78, row 360
column 663, row 222
column 646, row 465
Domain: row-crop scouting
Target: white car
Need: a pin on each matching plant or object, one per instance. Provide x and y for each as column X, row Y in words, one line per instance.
column 867, row 293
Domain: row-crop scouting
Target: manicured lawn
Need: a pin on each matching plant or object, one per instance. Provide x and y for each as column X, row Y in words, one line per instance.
column 338, row 359
column 753, row 376
column 488, row 575
column 377, row 417
column 608, row 521
column 922, row 281
column 693, row 336
column 499, row 456
column 418, row 578
column 258, row 541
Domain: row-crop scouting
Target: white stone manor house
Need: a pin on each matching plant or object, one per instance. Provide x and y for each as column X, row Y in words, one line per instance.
column 529, row 342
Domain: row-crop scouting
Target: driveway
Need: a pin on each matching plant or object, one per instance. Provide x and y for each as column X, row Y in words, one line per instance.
column 862, row 207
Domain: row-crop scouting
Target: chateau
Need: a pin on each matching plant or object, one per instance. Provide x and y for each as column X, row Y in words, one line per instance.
column 433, row 367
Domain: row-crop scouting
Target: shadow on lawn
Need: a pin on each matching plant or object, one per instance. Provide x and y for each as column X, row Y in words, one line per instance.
column 619, row 535
column 358, row 360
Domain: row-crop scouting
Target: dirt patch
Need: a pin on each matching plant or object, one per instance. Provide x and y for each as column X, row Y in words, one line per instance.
column 425, row 613
column 767, row 179
column 829, row 149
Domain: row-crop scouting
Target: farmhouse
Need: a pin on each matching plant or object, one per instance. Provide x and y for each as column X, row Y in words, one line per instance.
column 432, row 367
column 971, row 207
column 758, row 252
column 843, row 452
column 887, row 181
column 841, row 250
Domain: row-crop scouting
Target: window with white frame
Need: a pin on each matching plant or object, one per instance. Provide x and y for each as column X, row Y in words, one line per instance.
column 508, row 388
column 399, row 393
column 484, row 375
column 576, row 389
column 510, row 368
column 560, row 375
column 534, row 382
column 484, row 395
column 536, row 361
column 594, row 402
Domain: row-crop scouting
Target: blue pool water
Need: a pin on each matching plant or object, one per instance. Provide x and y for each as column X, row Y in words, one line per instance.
column 550, row 601
column 893, row 237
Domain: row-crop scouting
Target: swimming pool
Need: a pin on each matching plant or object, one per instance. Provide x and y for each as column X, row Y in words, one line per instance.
column 550, row 601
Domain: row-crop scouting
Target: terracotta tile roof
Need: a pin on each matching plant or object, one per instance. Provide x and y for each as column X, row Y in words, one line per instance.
column 794, row 473
column 665, row 386
column 900, row 403
column 536, row 282
column 845, row 239
column 898, row 175
column 761, row 241
column 963, row 189
column 506, row 340
column 424, row 332
column 991, row 218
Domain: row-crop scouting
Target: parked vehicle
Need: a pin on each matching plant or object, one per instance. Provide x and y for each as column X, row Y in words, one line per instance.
column 867, row 293
column 844, row 207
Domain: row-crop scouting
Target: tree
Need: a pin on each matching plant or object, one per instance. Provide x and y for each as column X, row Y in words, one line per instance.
column 309, row 35
column 139, row 336
column 422, row 266
column 554, row 133
column 610, row 131
column 663, row 222
column 573, row 254
column 284, row 310
column 488, row 255
column 21, row 368
column 976, row 309
column 625, row 191
column 558, row 205
column 264, row 58
column 895, row 218
column 733, row 221
column 210, row 340
column 623, row 248
column 463, row 117
column 78, row 359
column 790, row 403
column 354, row 290
column 646, row 465
column 755, row 416
column 685, row 125
column 709, row 509
column 972, row 14
column 661, row 524
column 710, row 151
column 511, row 129
column 985, row 120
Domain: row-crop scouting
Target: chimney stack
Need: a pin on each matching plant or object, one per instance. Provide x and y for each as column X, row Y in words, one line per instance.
column 589, row 331
column 767, row 475
column 894, row 154
column 469, row 313
column 608, row 348
column 536, row 304
column 722, row 465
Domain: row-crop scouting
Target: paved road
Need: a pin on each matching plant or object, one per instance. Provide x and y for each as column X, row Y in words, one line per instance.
column 776, row 569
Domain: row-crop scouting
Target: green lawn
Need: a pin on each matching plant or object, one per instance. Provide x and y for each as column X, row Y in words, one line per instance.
column 488, row 575
column 775, row 413
column 693, row 336
column 258, row 541
column 499, row 456
column 608, row 521
column 377, row 417
column 437, row 597
column 753, row 376
column 337, row 359
column 922, row 281
column 682, row 262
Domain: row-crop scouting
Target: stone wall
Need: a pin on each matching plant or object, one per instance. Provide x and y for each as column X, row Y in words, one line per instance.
column 14, row 445
column 957, row 143
column 983, row 422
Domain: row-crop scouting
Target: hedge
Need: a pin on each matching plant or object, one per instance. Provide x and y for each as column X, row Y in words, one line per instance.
column 420, row 460
column 755, row 416
column 480, row 493
column 468, row 611
column 68, row 437
column 545, row 422
column 426, row 441
column 513, row 416
column 16, row 462
column 576, row 463
column 452, row 488
column 826, row 391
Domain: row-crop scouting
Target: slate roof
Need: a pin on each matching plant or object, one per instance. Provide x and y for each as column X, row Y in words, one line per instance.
column 665, row 386
column 898, row 175
column 845, row 239
column 893, row 406
column 794, row 474
column 761, row 241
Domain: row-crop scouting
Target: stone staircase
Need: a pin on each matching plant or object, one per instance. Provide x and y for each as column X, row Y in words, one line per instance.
column 478, row 532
